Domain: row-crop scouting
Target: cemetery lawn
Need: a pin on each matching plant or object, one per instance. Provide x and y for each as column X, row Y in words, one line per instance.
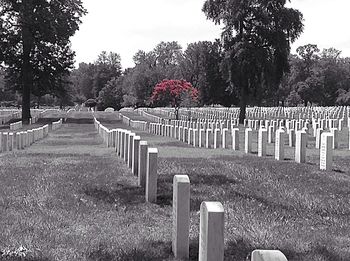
column 70, row 198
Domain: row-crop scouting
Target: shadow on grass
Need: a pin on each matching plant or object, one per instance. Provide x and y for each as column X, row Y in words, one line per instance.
column 238, row 250
column 148, row 251
column 23, row 258
column 339, row 171
column 165, row 190
column 177, row 144
column 316, row 253
column 211, row 179
column 123, row 195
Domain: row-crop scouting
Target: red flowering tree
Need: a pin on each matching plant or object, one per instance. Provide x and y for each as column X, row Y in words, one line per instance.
column 174, row 93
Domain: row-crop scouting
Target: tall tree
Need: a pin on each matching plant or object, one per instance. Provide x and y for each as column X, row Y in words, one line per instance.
column 35, row 38
column 257, row 36
column 107, row 67
column 201, row 66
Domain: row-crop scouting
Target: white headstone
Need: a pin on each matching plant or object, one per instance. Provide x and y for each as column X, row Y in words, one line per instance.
column 235, row 139
column 211, row 234
column 262, row 142
column 151, row 175
column 326, row 151
column 279, row 144
column 300, row 146
column 181, row 216
column 142, row 168
column 248, row 140
column 268, row 255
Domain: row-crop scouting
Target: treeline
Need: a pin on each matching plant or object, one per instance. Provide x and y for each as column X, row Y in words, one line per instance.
column 315, row 77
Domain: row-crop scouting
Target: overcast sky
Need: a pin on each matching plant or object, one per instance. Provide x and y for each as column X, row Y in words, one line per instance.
column 126, row 26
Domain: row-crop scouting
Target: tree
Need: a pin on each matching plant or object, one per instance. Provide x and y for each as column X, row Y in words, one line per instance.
column 174, row 93
column 111, row 95
column 82, row 79
column 257, row 37
column 107, row 67
column 200, row 66
column 90, row 103
column 35, row 38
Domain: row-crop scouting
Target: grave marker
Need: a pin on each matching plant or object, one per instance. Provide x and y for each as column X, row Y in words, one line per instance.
column 181, row 216
column 211, row 234
column 151, row 175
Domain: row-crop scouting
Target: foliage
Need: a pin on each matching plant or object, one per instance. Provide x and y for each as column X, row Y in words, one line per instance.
column 90, row 103
column 200, row 65
column 318, row 77
column 110, row 96
column 174, row 93
column 107, row 67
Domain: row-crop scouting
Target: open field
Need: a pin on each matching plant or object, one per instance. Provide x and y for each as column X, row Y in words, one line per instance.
column 70, row 198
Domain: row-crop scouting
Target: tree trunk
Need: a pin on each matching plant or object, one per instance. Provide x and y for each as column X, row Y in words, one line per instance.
column 27, row 74
column 305, row 103
column 243, row 105
column 38, row 105
column 177, row 113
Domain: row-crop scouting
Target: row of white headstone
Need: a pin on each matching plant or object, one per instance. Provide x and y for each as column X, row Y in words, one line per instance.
column 20, row 140
column 257, row 112
column 211, row 228
column 142, row 160
column 57, row 124
column 16, row 125
column 141, row 125
column 7, row 117
column 200, row 138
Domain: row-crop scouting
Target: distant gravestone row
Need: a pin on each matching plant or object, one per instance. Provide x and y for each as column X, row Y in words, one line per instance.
column 274, row 125
column 202, row 135
column 7, row 115
column 142, row 160
column 16, row 125
column 20, row 140
column 254, row 113
column 57, row 124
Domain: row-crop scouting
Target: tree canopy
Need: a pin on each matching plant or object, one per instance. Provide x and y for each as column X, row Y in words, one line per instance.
column 257, row 37
column 174, row 93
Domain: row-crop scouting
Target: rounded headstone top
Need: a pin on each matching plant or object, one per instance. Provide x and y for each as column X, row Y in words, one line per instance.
column 109, row 109
column 212, row 206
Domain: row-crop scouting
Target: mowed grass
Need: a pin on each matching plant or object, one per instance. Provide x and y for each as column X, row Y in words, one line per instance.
column 70, row 198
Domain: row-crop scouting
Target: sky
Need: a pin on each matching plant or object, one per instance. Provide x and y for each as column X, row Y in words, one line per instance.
column 126, row 26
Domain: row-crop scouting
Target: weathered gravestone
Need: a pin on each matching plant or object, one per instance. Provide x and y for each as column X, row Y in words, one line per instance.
column 326, row 151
